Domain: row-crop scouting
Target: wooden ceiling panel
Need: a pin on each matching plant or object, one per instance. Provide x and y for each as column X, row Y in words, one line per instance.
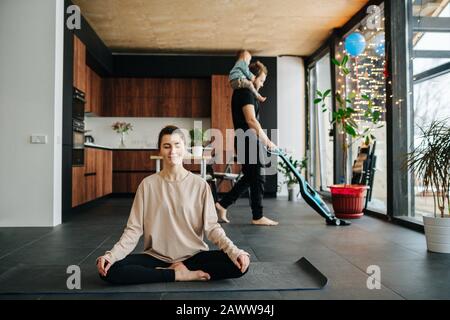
column 266, row 27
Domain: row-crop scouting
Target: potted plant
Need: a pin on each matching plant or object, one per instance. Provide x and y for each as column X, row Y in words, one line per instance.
column 198, row 138
column 289, row 179
column 430, row 164
column 348, row 199
column 122, row 128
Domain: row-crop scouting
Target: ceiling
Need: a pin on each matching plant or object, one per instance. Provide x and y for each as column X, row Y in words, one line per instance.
column 266, row 27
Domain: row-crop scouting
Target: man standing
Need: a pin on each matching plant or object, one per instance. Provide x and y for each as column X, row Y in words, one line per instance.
column 245, row 112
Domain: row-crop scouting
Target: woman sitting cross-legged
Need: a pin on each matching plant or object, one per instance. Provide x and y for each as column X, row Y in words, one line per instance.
column 173, row 209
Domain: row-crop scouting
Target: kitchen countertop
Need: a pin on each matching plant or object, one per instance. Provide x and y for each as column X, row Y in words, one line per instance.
column 93, row 145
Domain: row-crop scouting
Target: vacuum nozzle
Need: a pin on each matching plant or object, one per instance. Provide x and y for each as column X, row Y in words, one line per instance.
column 337, row 222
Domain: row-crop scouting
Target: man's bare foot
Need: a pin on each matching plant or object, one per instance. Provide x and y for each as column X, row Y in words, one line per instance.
column 182, row 273
column 261, row 98
column 264, row 222
column 222, row 213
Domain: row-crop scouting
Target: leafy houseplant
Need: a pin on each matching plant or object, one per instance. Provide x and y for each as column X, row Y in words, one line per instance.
column 430, row 163
column 198, row 138
column 290, row 179
column 344, row 120
column 122, row 128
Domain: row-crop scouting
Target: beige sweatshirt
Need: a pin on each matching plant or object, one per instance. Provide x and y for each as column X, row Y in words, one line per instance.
column 173, row 216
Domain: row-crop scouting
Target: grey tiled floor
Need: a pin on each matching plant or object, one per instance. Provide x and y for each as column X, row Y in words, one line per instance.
column 343, row 254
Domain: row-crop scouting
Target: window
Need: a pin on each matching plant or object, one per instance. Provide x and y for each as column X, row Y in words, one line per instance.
column 320, row 142
column 430, row 66
column 368, row 77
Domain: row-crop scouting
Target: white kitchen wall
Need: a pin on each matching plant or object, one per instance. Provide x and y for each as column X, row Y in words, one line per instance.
column 145, row 130
column 31, row 64
column 291, row 108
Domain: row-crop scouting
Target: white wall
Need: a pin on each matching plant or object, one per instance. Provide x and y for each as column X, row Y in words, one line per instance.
column 31, row 64
column 291, row 108
column 145, row 130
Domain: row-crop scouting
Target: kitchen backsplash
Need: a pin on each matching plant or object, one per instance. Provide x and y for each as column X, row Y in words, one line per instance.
column 145, row 130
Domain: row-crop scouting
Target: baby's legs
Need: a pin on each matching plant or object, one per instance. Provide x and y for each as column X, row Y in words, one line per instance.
column 245, row 83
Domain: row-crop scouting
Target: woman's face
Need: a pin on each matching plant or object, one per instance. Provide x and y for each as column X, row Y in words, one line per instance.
column 172, row 149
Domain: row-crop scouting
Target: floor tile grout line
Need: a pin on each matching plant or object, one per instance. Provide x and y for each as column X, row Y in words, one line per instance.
column 248, row 245
column 413, row 251
column 393, row 242
column 25, row 245
column 84, row 259
column 357, row 267
column 397, row 243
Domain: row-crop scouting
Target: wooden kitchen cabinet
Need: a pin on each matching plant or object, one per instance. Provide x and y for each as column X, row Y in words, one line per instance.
column 99, row 165
column 90, row 173
column 99, row 158
column 107, row 172
column 200, row 89
column 78, row 183
column 221, row 119
column 90, row 155
column 128, row 182
column 130, row 167
column 103, row 166
column 94, row 179
column 90, row 192
column 88, row 92
column 94, row 92
column 134, row 160
column 154, row 97
column 79, row 64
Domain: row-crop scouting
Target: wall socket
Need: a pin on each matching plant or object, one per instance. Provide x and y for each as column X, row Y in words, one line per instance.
column 38, row 139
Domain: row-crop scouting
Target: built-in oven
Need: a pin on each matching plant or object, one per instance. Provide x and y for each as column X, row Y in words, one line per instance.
column 78, row 129
column 78, row 102
column 78, row 142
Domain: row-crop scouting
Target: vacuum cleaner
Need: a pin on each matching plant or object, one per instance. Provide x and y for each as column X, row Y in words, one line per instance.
column 309, row 194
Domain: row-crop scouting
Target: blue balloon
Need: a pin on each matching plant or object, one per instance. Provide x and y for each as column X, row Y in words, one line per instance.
column 379, row 49
column 378, row 43
column 355, row 44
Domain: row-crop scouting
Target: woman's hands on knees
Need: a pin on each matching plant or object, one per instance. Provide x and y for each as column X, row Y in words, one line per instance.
column 242, row 262
column 103, row 265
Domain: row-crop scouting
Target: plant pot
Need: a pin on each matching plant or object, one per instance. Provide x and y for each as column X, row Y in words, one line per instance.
column 197, row 151
column 348, row 200
column 437, row 233
column 291, row 193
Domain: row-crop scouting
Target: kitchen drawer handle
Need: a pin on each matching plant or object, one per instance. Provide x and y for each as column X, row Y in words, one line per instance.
column 90, row 174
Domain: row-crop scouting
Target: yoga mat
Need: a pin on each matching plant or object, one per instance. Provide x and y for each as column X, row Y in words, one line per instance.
column 262, row 276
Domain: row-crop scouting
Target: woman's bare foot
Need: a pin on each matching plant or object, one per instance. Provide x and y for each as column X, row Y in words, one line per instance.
column 264, row 222
column 182, row 273
column 222, row 213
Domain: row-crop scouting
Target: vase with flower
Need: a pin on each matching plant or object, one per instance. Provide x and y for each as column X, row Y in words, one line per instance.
column 122, row 128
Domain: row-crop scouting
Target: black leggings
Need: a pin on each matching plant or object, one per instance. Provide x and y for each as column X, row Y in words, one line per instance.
column 141, row 268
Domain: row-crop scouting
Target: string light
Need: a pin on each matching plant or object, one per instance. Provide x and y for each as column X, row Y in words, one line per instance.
column 367, row 77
